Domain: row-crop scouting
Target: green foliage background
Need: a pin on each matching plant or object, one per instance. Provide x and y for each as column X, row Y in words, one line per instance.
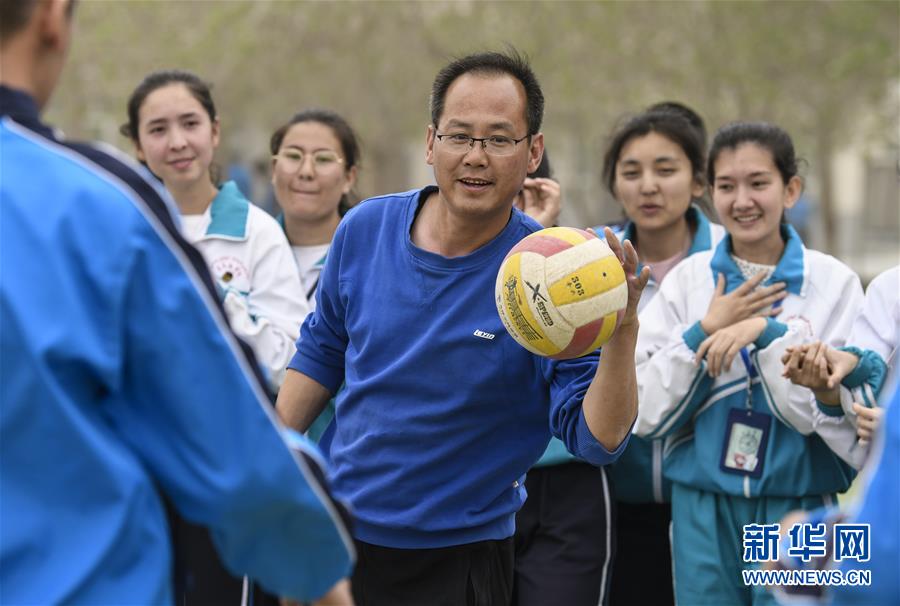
column 829, row 72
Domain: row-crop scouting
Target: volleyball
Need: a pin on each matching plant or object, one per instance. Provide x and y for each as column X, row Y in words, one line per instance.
column 561, row 292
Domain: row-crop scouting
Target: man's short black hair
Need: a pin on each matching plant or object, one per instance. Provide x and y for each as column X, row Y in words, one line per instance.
column 14, row 14
column 492, row 63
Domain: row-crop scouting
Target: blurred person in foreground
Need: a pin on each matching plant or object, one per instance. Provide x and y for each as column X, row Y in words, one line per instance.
column 122, row 383
column 876, row 507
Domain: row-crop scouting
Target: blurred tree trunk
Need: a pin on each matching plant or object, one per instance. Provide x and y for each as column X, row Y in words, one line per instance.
column 824, row 155
column 385, row 173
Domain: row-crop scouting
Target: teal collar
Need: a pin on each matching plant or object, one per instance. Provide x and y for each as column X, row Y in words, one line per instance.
column 228, row 213
column 702, row 236
column 790, row 268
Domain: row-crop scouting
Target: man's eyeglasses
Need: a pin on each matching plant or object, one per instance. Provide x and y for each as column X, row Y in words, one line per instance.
column 292, row 159
column 498, row 145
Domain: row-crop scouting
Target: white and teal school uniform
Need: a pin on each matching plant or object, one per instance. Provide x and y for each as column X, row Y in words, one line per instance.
column 310, row 260
column 638, row 474
column 875, row 338
column 252, row 265
column 749, row 445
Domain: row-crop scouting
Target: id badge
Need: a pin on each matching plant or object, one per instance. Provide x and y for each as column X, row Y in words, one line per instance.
column 746, row 438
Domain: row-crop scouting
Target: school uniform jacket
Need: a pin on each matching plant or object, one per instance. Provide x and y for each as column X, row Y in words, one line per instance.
column 252, row 264
column 811, row 448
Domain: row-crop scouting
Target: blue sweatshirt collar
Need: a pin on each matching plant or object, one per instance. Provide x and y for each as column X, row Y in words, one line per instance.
column 499, row 246
column 790, row 268
column 228, row 213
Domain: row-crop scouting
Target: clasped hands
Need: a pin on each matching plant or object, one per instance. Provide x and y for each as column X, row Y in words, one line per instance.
column 821, row 369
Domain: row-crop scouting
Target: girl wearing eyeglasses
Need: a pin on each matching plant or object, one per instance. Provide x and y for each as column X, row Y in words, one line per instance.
column 315, row 158
column 173, row 124
column 314, row 165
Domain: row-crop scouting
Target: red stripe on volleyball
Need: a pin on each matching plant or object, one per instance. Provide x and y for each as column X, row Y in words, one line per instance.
column 582, row 339
column 542, row 245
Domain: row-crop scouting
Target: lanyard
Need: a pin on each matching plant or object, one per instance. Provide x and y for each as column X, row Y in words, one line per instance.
column 751, row 374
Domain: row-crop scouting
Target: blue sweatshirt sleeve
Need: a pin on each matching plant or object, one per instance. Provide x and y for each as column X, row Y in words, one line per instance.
column 197, row 416
column 569, row 381
column 323, row 336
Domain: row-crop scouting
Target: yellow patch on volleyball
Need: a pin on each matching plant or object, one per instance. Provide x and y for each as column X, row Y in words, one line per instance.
column 560, row 292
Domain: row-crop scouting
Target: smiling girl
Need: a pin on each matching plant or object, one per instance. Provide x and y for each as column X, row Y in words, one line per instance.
column 744, row 445
column 173, row 124
column 315, row 158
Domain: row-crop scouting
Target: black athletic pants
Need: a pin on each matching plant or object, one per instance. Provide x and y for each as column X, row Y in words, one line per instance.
column 643, row 571
column 565, row 539
column 473, row 574
column 199, row 577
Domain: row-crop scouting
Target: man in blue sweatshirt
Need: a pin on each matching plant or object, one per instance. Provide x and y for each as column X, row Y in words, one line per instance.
column 122, row 385
column 443, row 413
